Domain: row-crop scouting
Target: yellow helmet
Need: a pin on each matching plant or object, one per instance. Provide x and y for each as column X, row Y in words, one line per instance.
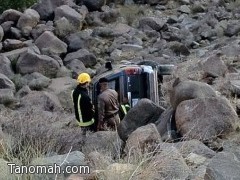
column 83, row 78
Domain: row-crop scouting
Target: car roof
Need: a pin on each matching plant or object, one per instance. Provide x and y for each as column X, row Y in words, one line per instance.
column 116, row 69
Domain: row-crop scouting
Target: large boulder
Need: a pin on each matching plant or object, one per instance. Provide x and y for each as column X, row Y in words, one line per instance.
column 7, row 96
column 10, row 15
column 213, row 66
column 11, row 44
column 83, row 55
column 143, row 113
column 193, row 146
column 6, row 83
column 62, row 88
column 31, row 62
column 53, row 45
column 65, row 14
column 44, row 101
column 41, row 28
column 205, row 118
column 185, row 90
column 27, row 21
column 143, row 139
column 223, row 166
column 154, row 23
column 36, row 81
column 94, row 5
column 15, row 54
column 6, row 67
column 46, row 8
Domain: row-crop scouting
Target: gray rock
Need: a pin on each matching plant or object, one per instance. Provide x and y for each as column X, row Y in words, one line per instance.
column 232, row 29
column 104, row 32
column 192, row 146
column 223, row 166
column 76, row 66
column 31, row 62
column 54, row 45
column 46, row 8
column 1, row 33
column 179, row 48
column 75, row 42
column 12, row 44
column 185, row 9
column 155, row 23
column 6, row 83
column 40, row 28
column 25, row 90
column 10, row 15
column 144, row 139
column 214, row 66
column 27, row 21
column 7, row 96
column 193, row 120
column 109, row 15
column 7, row 26
column 5, row 66
column 67, row 20
column 16, row 33
column 185, row 90
column 151, row 2
column 83, row 55
column 39, row 83
column 143, row 113
column 44, row 101
column 15, row 54
column 62, row 88
column 94, row 5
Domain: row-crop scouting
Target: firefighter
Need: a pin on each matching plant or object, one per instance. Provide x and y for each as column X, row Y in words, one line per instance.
column 108, row 107
column 84, row 109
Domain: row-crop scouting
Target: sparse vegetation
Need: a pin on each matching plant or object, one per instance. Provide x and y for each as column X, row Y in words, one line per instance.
column 15, row 4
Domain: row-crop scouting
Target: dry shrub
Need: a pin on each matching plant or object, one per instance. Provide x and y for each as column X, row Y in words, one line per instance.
column 131, row 13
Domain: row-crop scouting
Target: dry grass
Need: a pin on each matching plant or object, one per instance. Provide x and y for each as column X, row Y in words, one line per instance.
column 131, row 13
column 21, row 145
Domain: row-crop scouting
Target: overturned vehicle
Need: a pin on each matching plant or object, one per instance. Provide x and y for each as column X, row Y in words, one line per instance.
column 132, row 81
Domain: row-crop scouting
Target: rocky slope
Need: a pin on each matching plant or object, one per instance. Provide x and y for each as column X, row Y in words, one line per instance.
column 45, row 47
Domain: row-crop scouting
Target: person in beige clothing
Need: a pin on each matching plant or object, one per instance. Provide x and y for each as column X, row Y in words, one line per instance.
column 108, row 107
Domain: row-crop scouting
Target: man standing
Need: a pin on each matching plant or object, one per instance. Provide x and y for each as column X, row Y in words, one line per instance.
column 108, row 107
column 84, row 109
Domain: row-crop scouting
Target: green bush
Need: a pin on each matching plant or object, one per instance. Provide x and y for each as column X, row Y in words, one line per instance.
column 15, row 4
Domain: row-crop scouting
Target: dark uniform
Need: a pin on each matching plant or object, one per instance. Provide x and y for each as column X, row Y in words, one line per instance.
column 84, row 109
